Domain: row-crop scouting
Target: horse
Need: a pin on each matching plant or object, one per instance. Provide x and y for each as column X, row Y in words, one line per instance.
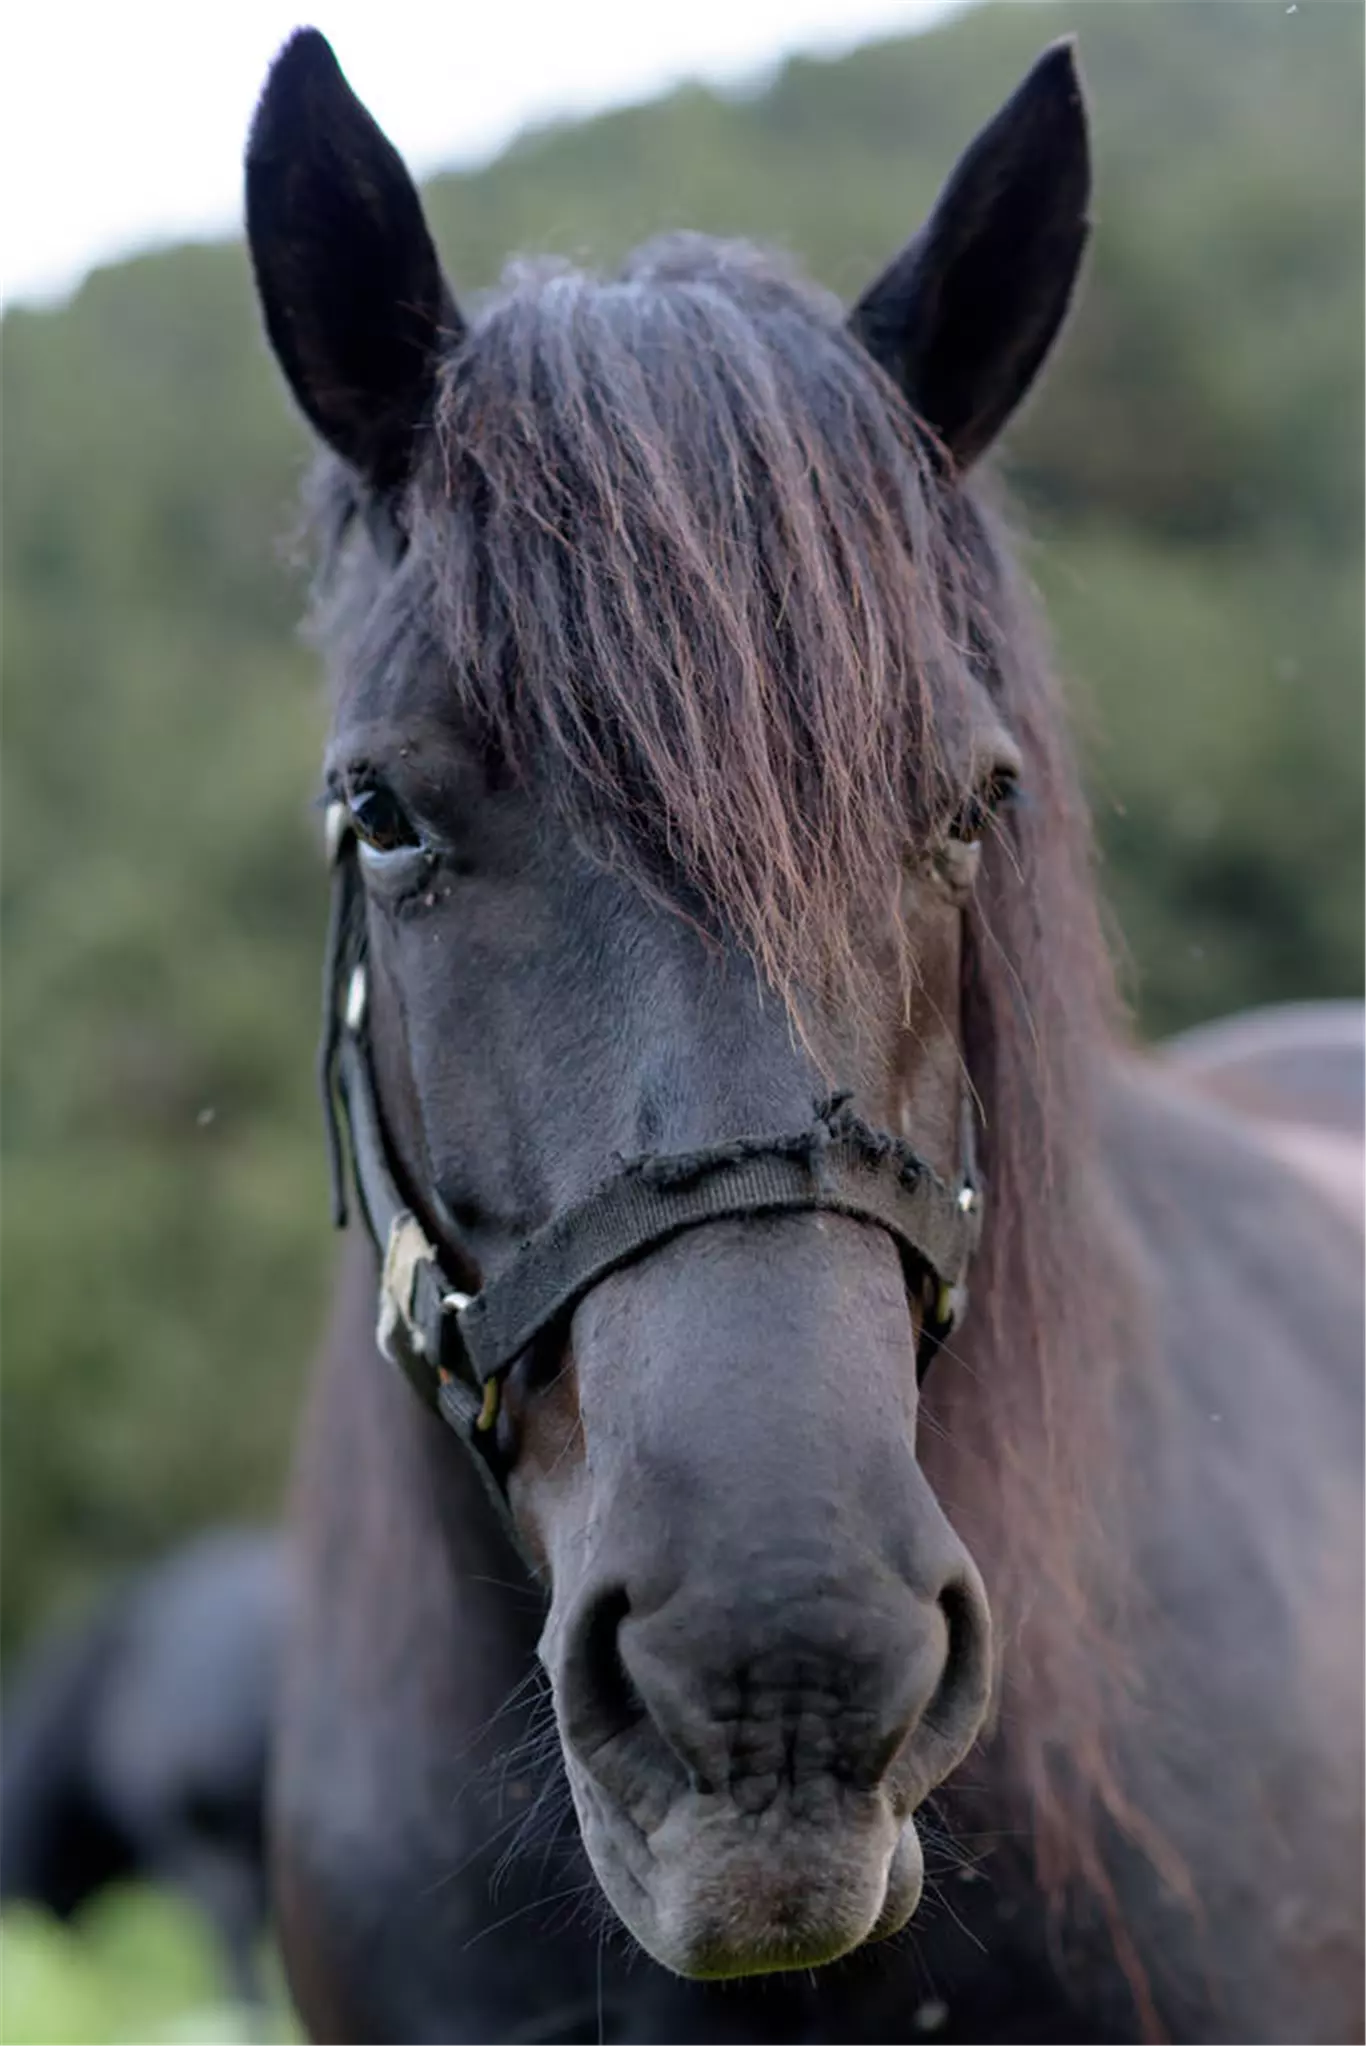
column 874, row 1553
column 135, row 1744
column 1297, row 1062
column 1302, row 1067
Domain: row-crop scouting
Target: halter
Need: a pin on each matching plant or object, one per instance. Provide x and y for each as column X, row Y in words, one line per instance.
column 455, row 1348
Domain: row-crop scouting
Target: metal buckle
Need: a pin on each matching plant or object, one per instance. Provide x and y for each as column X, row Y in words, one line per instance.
column 405, row 1251
column 949, row 1305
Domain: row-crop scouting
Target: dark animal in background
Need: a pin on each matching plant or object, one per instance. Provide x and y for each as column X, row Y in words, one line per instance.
column 135, row 1745
column 682, row 695
column 1300, row 1063
column 1300, row 1068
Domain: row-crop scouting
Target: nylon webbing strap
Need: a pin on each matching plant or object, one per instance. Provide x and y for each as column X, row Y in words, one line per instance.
column 646, row 1206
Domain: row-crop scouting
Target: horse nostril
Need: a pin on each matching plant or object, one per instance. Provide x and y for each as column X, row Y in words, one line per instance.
column 960, row 1695
column 602, row 1699
column 815, row 1689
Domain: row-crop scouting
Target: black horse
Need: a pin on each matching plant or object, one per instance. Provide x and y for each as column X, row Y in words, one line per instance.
column 135, row 1744
column 714, row 954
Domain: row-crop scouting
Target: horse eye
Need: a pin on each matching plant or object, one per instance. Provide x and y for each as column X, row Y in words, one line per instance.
column 380, row 821
column 982, row 805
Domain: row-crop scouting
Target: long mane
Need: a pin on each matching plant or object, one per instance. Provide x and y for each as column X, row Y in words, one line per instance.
column 692, row 563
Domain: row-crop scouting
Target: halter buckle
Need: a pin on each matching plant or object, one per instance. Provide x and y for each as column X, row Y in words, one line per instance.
column 949, row 1304
column 406, row 1249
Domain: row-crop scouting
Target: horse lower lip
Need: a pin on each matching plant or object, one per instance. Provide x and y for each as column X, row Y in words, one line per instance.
column 905, row 1880
column 803, row 1926
column 724, row 1899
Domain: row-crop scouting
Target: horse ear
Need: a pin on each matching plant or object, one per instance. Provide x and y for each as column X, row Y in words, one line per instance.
column 964, row 316
column 349, row 281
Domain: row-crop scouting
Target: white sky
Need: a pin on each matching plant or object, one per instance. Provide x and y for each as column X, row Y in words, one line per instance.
column 122, row 121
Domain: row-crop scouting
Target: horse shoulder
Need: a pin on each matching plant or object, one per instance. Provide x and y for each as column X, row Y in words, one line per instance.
column 1243, row 1414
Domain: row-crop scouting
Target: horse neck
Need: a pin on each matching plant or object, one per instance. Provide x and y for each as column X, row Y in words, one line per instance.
column 1030, row 1437
column 400, row 1562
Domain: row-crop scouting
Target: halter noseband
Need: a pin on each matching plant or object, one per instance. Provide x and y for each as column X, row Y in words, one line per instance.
column 455, row 1348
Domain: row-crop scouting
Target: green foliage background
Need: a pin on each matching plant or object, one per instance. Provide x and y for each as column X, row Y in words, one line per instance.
column 134, row 1965
column 1191, row 481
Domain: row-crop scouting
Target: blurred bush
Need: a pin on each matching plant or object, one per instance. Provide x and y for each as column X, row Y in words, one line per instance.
column 1191, row 481
column 133, row 1969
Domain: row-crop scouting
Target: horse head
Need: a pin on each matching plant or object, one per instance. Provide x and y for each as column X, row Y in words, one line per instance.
column 667, row 744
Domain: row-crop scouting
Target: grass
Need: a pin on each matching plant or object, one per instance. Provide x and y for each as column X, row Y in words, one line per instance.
column 137, row 1968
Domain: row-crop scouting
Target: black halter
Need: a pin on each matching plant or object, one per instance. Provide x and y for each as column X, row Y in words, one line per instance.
column 456, row 1347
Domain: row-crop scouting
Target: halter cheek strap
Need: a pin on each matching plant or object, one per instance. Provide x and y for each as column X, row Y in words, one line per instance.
column 456, row 1347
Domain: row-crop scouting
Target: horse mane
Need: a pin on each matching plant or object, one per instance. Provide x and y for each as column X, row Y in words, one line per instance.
column 1022, row 1446
column 692, row 563
column 664, row 527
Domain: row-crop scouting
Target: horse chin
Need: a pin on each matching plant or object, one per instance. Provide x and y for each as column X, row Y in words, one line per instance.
column 714, row 1893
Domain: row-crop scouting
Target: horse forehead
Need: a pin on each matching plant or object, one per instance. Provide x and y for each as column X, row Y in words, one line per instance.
column 400, row 698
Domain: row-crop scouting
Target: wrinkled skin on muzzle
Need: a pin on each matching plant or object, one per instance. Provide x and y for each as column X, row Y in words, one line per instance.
column 766, row 1644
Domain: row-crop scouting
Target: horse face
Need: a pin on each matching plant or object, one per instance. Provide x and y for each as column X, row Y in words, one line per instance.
column 765, row 1643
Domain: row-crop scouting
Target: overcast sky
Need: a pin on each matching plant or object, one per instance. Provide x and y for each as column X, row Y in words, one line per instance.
column 122, row 121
